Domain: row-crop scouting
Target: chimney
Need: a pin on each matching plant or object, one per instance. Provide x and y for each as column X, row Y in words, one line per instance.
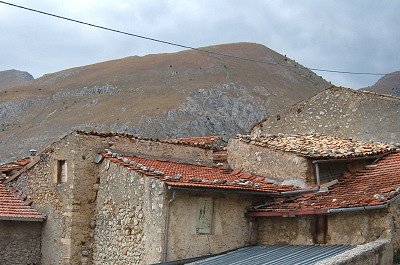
column 32, row 152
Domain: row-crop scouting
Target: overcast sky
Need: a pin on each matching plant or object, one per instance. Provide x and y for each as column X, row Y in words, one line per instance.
column 358, row 36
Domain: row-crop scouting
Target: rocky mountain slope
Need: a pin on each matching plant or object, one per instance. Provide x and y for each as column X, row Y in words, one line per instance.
column 388, row 84
column 188, row 93
column 10, row 78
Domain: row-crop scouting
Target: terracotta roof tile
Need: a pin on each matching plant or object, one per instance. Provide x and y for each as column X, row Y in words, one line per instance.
column 375, row 185
column 17, row 165
column 319, row 146
column 13, row 207
column 196, row 176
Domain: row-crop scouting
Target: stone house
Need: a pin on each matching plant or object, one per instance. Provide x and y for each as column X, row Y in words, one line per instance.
column 20, row 224
column 75, row 194
column 114, row 198
column 362, row 207
column 302, row 160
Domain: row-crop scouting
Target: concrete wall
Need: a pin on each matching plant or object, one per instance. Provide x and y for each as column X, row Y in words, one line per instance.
column 20, row 242
column 351, row 228
column 129, row 221
column 379, row 252
column 229, row 230
column 342, row 112
column 276, row 165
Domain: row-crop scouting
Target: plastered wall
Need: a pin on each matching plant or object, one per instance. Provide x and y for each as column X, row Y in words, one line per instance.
column 229, row 230
column 276, row 165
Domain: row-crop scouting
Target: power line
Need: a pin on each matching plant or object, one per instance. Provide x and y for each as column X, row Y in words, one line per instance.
column 177, row 44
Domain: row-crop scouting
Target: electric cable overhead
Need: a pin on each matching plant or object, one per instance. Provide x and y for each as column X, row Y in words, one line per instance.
column 180, row 45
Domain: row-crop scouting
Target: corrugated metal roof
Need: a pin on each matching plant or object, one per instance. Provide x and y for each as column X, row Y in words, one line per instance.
column 276, row 254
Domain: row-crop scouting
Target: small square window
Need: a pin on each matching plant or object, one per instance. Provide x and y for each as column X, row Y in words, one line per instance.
column 61, row 171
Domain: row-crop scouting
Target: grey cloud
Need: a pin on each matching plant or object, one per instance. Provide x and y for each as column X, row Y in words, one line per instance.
column 354, row 36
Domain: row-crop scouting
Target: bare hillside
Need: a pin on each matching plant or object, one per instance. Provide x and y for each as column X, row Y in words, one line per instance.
column 164, row 95
column 388, row 84
column 10, row 78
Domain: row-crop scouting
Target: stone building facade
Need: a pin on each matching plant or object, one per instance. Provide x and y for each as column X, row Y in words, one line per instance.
column 113, row 198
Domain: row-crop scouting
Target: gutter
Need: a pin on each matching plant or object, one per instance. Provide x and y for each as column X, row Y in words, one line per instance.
column 167, row 220
column 320, row 211
column 350, row 158
column 365, row 208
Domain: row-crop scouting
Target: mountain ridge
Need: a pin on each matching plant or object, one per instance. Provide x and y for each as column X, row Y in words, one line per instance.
column 187, row 93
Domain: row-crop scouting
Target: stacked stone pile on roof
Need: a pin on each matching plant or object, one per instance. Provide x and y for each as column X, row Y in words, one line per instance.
column 319, row 146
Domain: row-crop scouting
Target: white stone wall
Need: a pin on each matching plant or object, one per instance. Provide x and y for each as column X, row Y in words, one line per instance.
column 129, row 217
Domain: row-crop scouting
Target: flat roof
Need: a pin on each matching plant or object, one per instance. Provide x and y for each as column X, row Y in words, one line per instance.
column 276, row 254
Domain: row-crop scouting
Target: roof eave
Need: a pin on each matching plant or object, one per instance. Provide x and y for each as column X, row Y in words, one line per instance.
column 222, row 190
column 25, row 219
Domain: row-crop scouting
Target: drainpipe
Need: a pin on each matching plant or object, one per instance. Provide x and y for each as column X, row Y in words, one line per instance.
column 166, row 233
column 317, row 173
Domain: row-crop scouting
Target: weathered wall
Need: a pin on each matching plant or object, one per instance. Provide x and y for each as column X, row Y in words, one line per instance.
column 272, row 164
column 230, row 229
column 20, row 242
column 174, row 152
column 342, row 112
column 351, row 228
column 129, row 217
column 379, row 252
column 294, row 231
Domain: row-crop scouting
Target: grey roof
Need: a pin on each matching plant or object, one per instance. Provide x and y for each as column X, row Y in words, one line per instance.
column 283, row 254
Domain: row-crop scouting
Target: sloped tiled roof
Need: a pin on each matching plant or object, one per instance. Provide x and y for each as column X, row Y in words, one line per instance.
column 376, row 184
column 13, row 207
column 205, row 142
column 196, row 176
column 17, row 165
column 319, row 146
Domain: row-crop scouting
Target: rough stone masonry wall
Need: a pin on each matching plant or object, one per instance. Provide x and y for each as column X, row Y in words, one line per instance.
column 342, row 112
column 20, row 242
column 129, row 220
column 276, row 165
column 53, row 200
column 394, row 220
column 230, row 228
column 353, row 228
column 174, row 152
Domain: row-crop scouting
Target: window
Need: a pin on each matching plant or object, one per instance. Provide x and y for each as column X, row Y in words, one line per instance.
column 204, row 216
column 61, row 171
